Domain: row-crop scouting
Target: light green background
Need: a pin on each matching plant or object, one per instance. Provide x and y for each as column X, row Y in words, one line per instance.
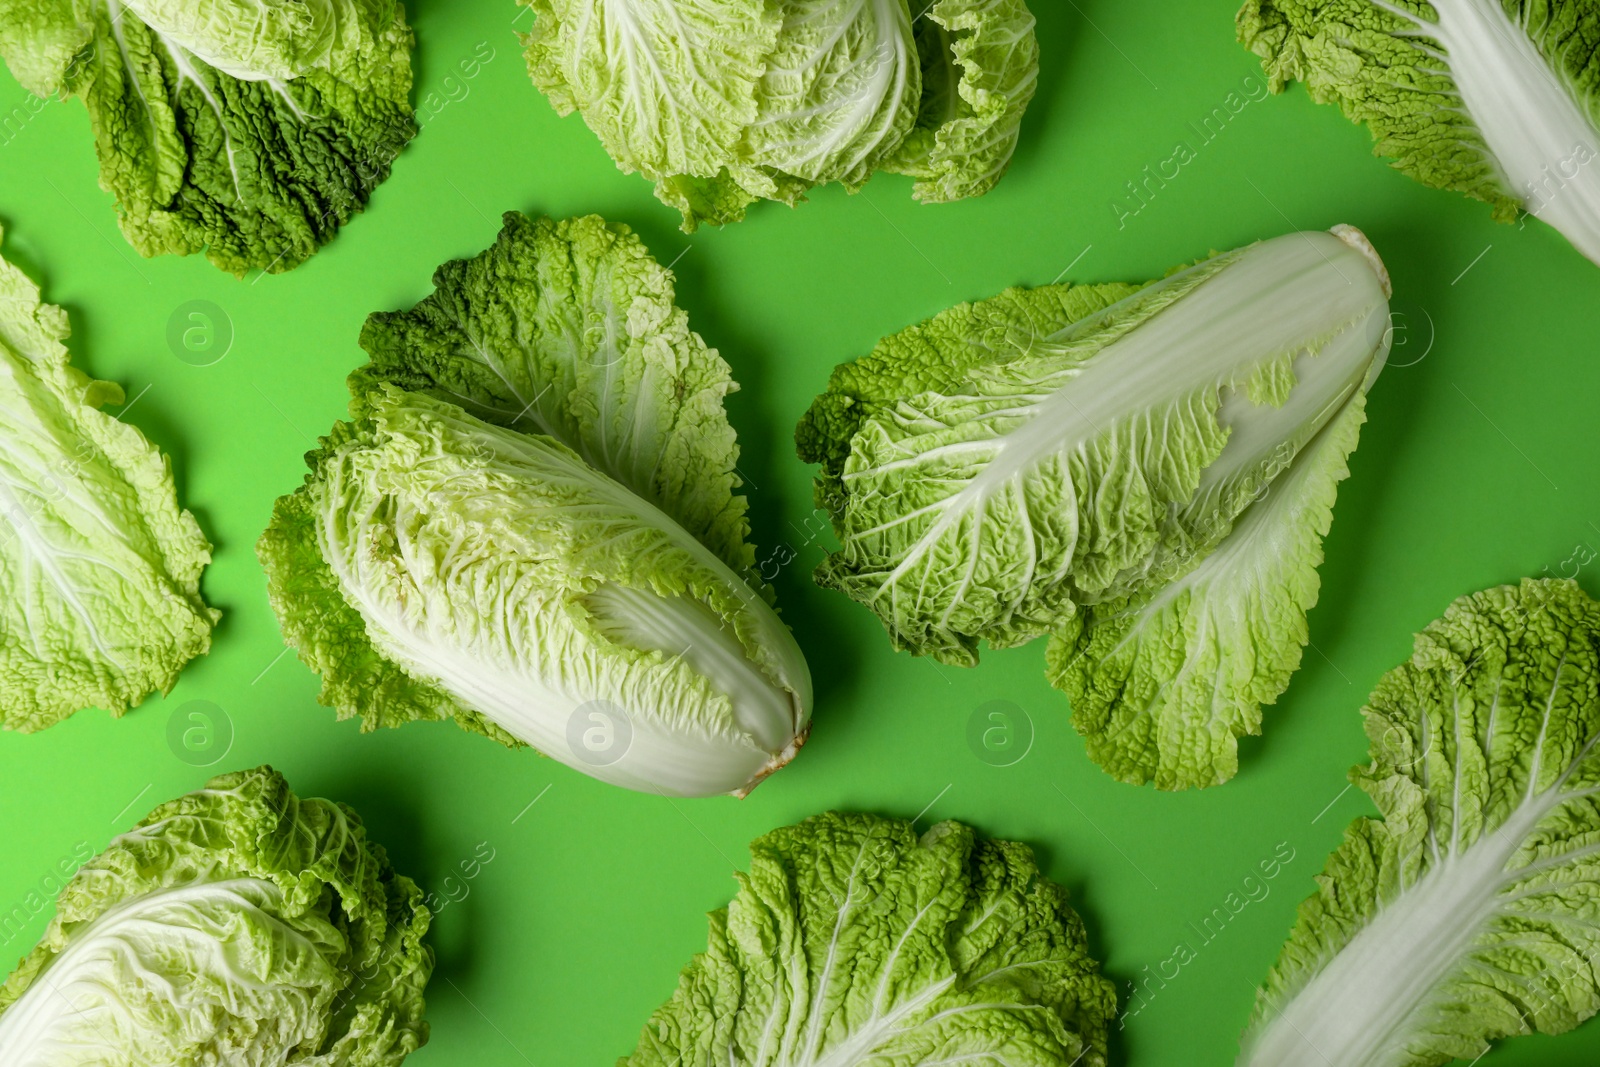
column 1480, row 465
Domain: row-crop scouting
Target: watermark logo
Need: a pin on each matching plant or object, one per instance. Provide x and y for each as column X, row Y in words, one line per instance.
column 1142, row 191
column 457, row 85
column 599, row 733
column 1253, row 888
column 457, row 885
column 199, row 733
column 1410, row 335
column 1000, row 733
column 200, row 333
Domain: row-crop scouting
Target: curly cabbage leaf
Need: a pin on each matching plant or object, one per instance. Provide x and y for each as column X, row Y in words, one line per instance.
column 724, row 102
column 248, row 129
column 1165, row 681
column 235, row 925
column 854, row 940
column 574, row 559
column 99, row 567
column 1145, row 473
column 249, row 39
column 980, row 67
column 1465, row 913
column 570, row 329
column 1492, row 98
column 329, row 633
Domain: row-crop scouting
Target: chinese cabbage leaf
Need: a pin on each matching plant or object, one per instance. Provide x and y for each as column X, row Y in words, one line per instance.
column 235, row 925
column 852, row 940
column 99, row 567
column 1465, row 912
column 248, row 129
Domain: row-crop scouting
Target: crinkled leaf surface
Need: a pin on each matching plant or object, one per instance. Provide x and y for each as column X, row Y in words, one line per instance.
column 855, row 940
column 1002, row 488
column 1492, row 98
column 252, row 39
column 1164, row 683
column 235, row 925
column 569, row 329
column 358, row 681
column 259, row 167
column 724, row 102
column 980, row 68
column 1465, row 913
column 501, row 569
column 935, row 356
column 99, row 567
column 667, row 86
column 842, row 79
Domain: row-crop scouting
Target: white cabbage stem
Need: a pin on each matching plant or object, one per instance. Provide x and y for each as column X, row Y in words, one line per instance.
column 1539, row 133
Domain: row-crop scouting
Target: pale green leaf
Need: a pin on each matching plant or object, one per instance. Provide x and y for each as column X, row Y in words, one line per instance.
column 99, row 567
column 980, row 69
column 854, row 940
column 1165, row 682
column 570, row 329
column 1465, row 912
column 235, row 925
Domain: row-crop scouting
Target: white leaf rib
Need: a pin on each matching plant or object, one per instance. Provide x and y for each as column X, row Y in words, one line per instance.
column 1522, row 110
column 1372, row 989
column 814, row 1029
column 1102, row 393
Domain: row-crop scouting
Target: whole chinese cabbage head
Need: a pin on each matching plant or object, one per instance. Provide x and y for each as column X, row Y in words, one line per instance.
column 724, row 102
column 530, row 526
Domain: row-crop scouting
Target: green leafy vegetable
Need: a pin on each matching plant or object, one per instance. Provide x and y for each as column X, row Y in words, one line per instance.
column 1466, row 912
column 569, row 329
column 1491, row 98
column 854, row 940
column 235, row 925
column 251, row 129
column 250, row 39
column 99, row 567
column 1146, row 473
column 724, row 102
column 1164, row 681
column 572, row 578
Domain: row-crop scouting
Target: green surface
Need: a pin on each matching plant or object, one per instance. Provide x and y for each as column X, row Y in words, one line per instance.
column 1480, row 465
